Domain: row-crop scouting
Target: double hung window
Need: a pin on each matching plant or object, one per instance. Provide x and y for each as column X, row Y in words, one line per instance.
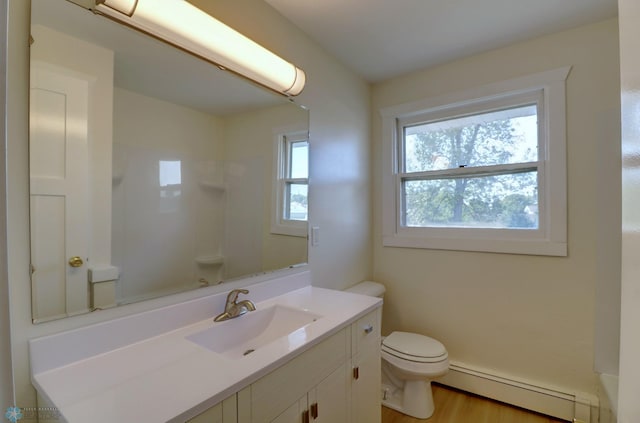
column 291, row 184
column 482, row 170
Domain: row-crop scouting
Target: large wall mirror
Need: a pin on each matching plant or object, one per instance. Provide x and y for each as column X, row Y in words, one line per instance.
column 151, row 171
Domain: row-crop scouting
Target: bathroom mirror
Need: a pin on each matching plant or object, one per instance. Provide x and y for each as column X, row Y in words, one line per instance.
column 151, row 171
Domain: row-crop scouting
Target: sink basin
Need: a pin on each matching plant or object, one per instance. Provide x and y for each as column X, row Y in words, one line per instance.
column 239, row 337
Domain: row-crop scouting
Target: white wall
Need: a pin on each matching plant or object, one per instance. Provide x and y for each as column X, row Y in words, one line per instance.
column 340, row 200
column 6, row 379
column 629, row 387
column 521, row 316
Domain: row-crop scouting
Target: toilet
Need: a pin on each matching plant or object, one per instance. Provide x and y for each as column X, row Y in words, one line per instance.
column 409, row 362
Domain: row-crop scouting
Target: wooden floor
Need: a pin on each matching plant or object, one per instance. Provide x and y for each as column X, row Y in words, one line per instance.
column 454, row 406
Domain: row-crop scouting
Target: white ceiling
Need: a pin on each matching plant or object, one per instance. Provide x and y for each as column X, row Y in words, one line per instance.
column 381, row 39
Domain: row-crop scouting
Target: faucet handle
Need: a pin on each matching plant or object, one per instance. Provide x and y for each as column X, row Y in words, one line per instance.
column 233, row 309
column 233, row 295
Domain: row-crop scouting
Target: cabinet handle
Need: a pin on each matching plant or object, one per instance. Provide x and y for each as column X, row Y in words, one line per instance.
column 368, row 329
column 314, row 410
column 305, row 416
column 356, row 373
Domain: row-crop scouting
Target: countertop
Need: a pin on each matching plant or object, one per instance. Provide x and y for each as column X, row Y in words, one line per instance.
column 169, row 378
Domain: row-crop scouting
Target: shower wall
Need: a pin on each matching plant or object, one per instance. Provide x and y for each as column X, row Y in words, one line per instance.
column 168, row 197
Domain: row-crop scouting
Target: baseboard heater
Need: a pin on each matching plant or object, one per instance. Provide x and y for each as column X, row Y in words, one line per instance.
column 571, row 406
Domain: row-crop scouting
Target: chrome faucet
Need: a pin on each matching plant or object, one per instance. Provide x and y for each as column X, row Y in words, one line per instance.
column 233, row 308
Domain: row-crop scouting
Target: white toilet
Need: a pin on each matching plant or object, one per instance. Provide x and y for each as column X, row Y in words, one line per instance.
column 409, row 362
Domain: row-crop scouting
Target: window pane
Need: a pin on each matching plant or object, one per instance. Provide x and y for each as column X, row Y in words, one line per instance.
column 170, row 172
column 498, row 137
column 503, row 201
column 296, row 202
column 299, row 160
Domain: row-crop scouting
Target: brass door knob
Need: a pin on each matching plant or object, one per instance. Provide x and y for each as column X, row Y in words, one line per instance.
column 75, row 261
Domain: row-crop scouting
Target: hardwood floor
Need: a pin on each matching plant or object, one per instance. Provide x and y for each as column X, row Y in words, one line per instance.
column 453, row 406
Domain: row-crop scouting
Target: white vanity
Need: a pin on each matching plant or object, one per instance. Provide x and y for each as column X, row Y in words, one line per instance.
column 305, row 355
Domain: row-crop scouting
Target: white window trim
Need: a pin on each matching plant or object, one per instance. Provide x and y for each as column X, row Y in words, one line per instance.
column 280, row 226
column 551, row 238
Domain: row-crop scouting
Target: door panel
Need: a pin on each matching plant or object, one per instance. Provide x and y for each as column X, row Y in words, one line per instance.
column 49, row 282
column 58, row 166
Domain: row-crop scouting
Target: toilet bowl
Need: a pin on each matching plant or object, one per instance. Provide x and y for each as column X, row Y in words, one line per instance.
column 409, row 362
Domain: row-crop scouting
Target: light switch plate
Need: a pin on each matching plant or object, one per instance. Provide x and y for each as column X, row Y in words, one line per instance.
column 315, row 236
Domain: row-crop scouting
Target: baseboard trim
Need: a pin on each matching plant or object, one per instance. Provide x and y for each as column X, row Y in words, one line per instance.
column 571, row 406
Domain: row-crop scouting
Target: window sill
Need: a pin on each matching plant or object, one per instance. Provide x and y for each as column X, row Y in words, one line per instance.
column 299, row 231
column 505, row 246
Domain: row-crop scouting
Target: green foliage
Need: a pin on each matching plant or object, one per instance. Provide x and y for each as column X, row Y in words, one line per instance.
column 514, row 212
column 488, row 201
column 299, row 198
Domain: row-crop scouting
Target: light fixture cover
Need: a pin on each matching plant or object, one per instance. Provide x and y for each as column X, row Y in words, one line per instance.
column 184, row 25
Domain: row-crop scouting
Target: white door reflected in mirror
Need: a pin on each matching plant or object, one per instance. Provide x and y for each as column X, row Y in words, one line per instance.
column 58, row 166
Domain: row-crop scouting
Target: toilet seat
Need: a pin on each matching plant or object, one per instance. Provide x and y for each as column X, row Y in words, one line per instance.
column 414, row 347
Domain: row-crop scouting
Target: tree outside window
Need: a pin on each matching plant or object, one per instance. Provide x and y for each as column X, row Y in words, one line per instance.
column 454, row 173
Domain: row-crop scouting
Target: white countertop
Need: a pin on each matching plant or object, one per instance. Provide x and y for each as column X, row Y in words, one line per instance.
column 169, row 378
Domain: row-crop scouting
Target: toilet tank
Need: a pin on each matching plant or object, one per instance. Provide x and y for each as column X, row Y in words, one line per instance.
column 372, row 289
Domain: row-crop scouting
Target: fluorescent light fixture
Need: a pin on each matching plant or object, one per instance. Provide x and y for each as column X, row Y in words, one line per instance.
column 184, row 25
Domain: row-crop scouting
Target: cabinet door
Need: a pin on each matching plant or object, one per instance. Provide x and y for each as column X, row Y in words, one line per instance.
column 366, row 382
column 293, row 414
column 366, row 386
column 223, row 412
column 325, row 403
column 328, row 402
column 271, row 395
column 212, row 415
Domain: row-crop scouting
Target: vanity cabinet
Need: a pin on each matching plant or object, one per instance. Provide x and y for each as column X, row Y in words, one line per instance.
column 223, row 412
column 336, row 381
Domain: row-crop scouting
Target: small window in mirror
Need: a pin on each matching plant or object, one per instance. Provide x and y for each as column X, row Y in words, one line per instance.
column 291, row 184
column 170, row 172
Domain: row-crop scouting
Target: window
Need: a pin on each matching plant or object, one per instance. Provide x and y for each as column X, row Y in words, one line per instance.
column 170, row 182
column 291, row 184
column 480, row 170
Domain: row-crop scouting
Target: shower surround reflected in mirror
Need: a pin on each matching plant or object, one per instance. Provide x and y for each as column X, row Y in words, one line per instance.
column 154, row 168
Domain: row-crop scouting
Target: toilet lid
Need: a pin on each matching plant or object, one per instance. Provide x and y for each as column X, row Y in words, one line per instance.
column 412, row 346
